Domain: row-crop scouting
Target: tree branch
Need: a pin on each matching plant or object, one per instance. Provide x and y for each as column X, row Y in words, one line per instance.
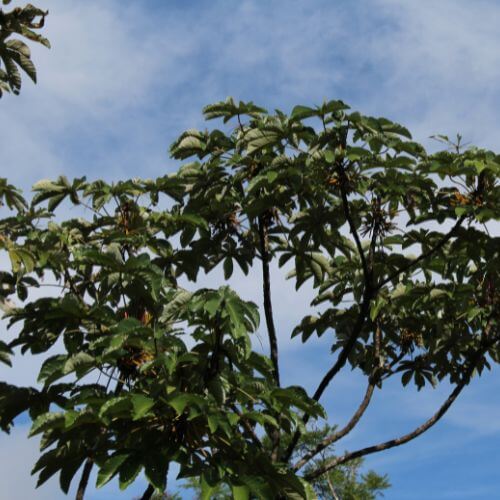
column 341, row 361
column 268, row 309
column 336, row 436
column 266, row 285
column 248, row 427
column 352, row 226
column 148, row 493
column 415, row 433
column 346, row 350
column 82, row 486
column 425, row 255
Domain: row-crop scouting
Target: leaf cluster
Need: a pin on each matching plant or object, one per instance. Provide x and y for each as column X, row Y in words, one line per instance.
column 14, row 52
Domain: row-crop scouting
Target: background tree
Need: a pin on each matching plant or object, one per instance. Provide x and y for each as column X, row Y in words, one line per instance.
column 342, row 483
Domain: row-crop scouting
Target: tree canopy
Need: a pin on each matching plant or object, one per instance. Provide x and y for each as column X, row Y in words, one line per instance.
column 140, row 367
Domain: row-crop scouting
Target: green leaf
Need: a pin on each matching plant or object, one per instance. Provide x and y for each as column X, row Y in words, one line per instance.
column 180, row 402
column 110, row 467
column 228, row 267
column 141, row 405
column 406, row 377
column 52, row 368
column 47, row 421
column 68, row 471
column 206, row 489
column 80, row 363
column 116, row 407
column 240, row 492
column 301, row 112
column 376, row 307
column 258, row 139
column 156, row 468
column 21, row 259
column 129, row 471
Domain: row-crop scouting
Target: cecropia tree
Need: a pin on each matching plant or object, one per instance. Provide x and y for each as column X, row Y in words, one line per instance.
column 138, row 372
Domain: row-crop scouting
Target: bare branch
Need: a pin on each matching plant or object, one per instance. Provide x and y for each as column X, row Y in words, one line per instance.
column 84, row 480
column 266, row 285
column 268, row 310
column 341, row 361
column 336, row 436
column 416, row 432
column 346, row 350
column 148, row 493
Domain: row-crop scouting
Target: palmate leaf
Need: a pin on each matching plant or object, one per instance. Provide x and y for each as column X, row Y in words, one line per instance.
column 110, row 468
column 15, row 53
column 46, row 421
column 229, row 109
column 10, row 195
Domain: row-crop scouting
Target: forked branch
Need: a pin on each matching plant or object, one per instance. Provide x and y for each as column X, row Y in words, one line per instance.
column 336, row 436
column 341, row 361
column 411, row 435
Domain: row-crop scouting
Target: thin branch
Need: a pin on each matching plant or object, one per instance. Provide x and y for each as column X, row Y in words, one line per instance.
column 336, row 436
column 268, row 309
column 248, row 428
column 332, row 489
column 266, row 285
column 148, row 493
column 350, row 221
column 411, row 435
column 341, row 361
column 84, row 480
column 425, row 255
column 344, row 354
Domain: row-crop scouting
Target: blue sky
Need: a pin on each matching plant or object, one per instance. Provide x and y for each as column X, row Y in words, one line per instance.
column 124, row 78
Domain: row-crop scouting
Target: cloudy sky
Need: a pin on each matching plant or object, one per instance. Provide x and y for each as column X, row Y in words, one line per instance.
column 124, row 78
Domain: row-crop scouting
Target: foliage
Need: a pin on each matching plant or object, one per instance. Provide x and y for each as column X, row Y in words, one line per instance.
column 344, row 482
column 15, row 53
column 140, row 368
column 139, row 371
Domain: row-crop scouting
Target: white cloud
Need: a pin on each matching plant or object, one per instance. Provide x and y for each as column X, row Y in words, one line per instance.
column 441, row 63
